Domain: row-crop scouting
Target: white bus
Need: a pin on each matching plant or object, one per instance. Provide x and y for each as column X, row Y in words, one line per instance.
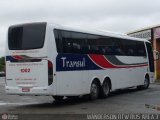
column 52, row 60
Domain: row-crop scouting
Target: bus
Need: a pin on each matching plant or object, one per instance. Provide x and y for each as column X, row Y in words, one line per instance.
column 53, row 60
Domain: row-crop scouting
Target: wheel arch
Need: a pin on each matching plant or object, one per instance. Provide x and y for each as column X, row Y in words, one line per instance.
column 96, row 79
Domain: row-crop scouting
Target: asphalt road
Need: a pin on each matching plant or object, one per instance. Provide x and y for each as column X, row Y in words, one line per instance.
column 121, row 101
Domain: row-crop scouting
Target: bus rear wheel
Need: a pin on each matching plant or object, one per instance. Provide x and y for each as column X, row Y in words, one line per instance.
column 105, row 89
column 94, row 90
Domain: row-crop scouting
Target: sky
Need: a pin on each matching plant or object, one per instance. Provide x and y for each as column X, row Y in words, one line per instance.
column 111, row 15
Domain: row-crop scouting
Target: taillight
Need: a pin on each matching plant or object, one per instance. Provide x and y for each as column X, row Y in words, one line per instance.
column 50, row 73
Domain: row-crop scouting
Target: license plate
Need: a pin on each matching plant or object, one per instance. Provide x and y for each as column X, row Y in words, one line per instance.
column 25, row 89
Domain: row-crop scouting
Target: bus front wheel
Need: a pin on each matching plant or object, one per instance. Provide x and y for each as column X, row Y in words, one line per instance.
column 145, row 85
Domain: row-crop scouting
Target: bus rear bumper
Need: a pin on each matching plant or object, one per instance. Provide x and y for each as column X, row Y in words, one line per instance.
column 30, row 91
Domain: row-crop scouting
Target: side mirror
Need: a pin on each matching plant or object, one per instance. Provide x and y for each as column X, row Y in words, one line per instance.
column 156, row 55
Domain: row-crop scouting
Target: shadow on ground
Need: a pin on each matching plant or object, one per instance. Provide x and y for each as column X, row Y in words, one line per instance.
column 77, row 101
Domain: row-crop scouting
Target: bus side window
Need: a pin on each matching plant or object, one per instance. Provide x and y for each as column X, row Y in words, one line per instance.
column 66, row 42
column 84, row 49
column 58, row 38
column 78, row 40
column 76, row 48
column 108, row 50
column 67, row 47
column 130, row 52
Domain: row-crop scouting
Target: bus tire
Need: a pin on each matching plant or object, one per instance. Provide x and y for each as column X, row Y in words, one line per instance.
column 94, row 90
column 146, row 83
column 105, row 89
column 58, row 98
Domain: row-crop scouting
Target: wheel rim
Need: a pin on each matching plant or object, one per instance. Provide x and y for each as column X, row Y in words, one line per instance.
column 106, row 88
column 94, row 90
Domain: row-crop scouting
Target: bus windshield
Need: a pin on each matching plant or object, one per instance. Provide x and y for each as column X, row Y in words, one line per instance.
column 27, row 36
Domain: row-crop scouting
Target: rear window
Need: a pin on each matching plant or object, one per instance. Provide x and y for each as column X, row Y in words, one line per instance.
column 27, row 36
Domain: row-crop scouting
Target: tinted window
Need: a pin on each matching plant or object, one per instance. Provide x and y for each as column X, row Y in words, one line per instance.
column 81, row 43
column 66, row 42
column 134, row 48
column 93, row 44
column 150, row 56
column 57, row 35
column 118, row 47
column 29, row 36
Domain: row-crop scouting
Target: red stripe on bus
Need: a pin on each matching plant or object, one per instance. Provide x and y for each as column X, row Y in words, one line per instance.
column 101, row 61
column 18, row 57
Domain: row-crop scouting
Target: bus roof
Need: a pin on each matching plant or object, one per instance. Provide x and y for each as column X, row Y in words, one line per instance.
column 97, row 32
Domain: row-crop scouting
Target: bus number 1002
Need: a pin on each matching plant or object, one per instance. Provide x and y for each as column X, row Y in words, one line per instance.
column 26, row 70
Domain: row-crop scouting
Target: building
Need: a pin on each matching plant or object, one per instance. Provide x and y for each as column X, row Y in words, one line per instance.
column 153, row 35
